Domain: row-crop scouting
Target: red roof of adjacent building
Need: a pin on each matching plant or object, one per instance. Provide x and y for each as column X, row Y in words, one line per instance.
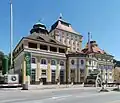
column 93, row 48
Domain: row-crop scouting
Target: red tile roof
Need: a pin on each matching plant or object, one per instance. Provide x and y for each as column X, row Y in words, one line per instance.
column 93, row 49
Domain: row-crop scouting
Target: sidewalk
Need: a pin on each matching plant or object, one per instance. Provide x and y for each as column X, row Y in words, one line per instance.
column 36, row 87
column 44, row 87
column 49, row 87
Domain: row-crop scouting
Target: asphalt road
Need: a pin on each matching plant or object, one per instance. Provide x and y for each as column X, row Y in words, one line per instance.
column 72, row 95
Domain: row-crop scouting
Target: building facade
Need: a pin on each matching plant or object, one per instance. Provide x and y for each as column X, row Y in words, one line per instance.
column 57, row 56
column 63, row 32
column 76, row 67
column 98, row 61
column 48, row 59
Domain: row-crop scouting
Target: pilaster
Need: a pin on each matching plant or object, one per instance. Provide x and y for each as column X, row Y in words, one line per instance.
column 48, row 71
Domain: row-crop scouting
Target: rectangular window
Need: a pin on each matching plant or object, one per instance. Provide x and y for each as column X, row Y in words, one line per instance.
column 81, row 71
column 33, row 75
column 54, row 49
column 43, row 72
column 32, row 45
column 53, row 76
column 61, row 73
column 61, row 50
column 43, row 47
column 72, row 71
column 22, row 46
column 33, row 60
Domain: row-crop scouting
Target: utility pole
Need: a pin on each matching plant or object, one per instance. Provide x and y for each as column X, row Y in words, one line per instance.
column 11, row 33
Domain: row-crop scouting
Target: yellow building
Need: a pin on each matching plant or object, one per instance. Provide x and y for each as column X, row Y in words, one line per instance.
column 57, row 56
column 48, row 59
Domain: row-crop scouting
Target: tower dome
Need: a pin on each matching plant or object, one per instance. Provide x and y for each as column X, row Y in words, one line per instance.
column 39, row 28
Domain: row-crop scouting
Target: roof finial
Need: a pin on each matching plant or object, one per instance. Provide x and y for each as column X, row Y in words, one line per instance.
column 60, row 16
column 40, row 20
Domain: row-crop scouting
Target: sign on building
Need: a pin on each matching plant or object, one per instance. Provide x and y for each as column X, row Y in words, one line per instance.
column 28, row 63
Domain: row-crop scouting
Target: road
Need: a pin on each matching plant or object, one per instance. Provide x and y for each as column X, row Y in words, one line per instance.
column 72, row 95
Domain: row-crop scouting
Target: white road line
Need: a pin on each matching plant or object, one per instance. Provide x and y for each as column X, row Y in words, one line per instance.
column 91, row 95
column 10, row 100
column 59, row 97
column 37, row 101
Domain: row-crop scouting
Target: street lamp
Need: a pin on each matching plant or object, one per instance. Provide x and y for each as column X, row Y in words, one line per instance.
column 11, row 32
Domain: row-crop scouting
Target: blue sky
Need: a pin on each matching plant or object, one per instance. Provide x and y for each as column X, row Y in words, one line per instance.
column 100, row 17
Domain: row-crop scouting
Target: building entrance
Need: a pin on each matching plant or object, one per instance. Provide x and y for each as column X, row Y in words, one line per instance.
column 44, row 80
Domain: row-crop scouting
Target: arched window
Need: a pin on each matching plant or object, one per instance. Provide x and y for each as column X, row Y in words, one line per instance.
column 82, row 62
column 53, row 62
column 72, row 62
column 43, row 61
column 61, row 63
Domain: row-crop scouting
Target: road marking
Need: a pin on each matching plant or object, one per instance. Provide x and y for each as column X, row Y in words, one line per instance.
column 59, row 97
column 10, row 100
column 116, row 101
column 91, row 95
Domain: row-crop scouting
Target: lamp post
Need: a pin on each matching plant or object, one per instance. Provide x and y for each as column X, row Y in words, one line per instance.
column 11, row 32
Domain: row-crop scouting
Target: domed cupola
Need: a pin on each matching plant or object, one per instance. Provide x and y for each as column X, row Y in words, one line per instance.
column 39, row 28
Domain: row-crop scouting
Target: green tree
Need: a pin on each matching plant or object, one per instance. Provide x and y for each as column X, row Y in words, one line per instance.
column 1, row 57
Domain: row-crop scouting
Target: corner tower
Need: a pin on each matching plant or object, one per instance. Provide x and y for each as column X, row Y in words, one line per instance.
column 63, row 32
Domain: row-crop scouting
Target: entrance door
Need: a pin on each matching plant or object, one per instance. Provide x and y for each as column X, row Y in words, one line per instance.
column 44, row 80
column 32, row 77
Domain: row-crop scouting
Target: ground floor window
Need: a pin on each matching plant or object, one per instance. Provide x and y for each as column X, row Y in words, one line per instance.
column 53, row 74
column 43, row 72
column 33, row 74
column 72, row 75
column 61, row 76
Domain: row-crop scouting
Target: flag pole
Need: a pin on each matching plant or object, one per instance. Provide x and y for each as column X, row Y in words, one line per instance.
column 11, row 33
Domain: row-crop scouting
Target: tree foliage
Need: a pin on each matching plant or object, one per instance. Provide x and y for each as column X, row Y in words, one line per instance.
column 1, row 57
column 117, row 63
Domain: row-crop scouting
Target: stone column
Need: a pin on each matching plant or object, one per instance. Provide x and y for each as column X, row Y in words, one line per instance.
column 24, row 71
column 80, row 43
column 48, row 48
column 57, row 71
column 71, row 45
column 78, row 77
column 68, row 71
column 78, row 71
column 48, row 71
column 38, row 46
column 75, row 74
column 65, row 72
column 25, row 44
column 57, row 50
column 86, row 69
column 38, row 71
column 76, row 45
